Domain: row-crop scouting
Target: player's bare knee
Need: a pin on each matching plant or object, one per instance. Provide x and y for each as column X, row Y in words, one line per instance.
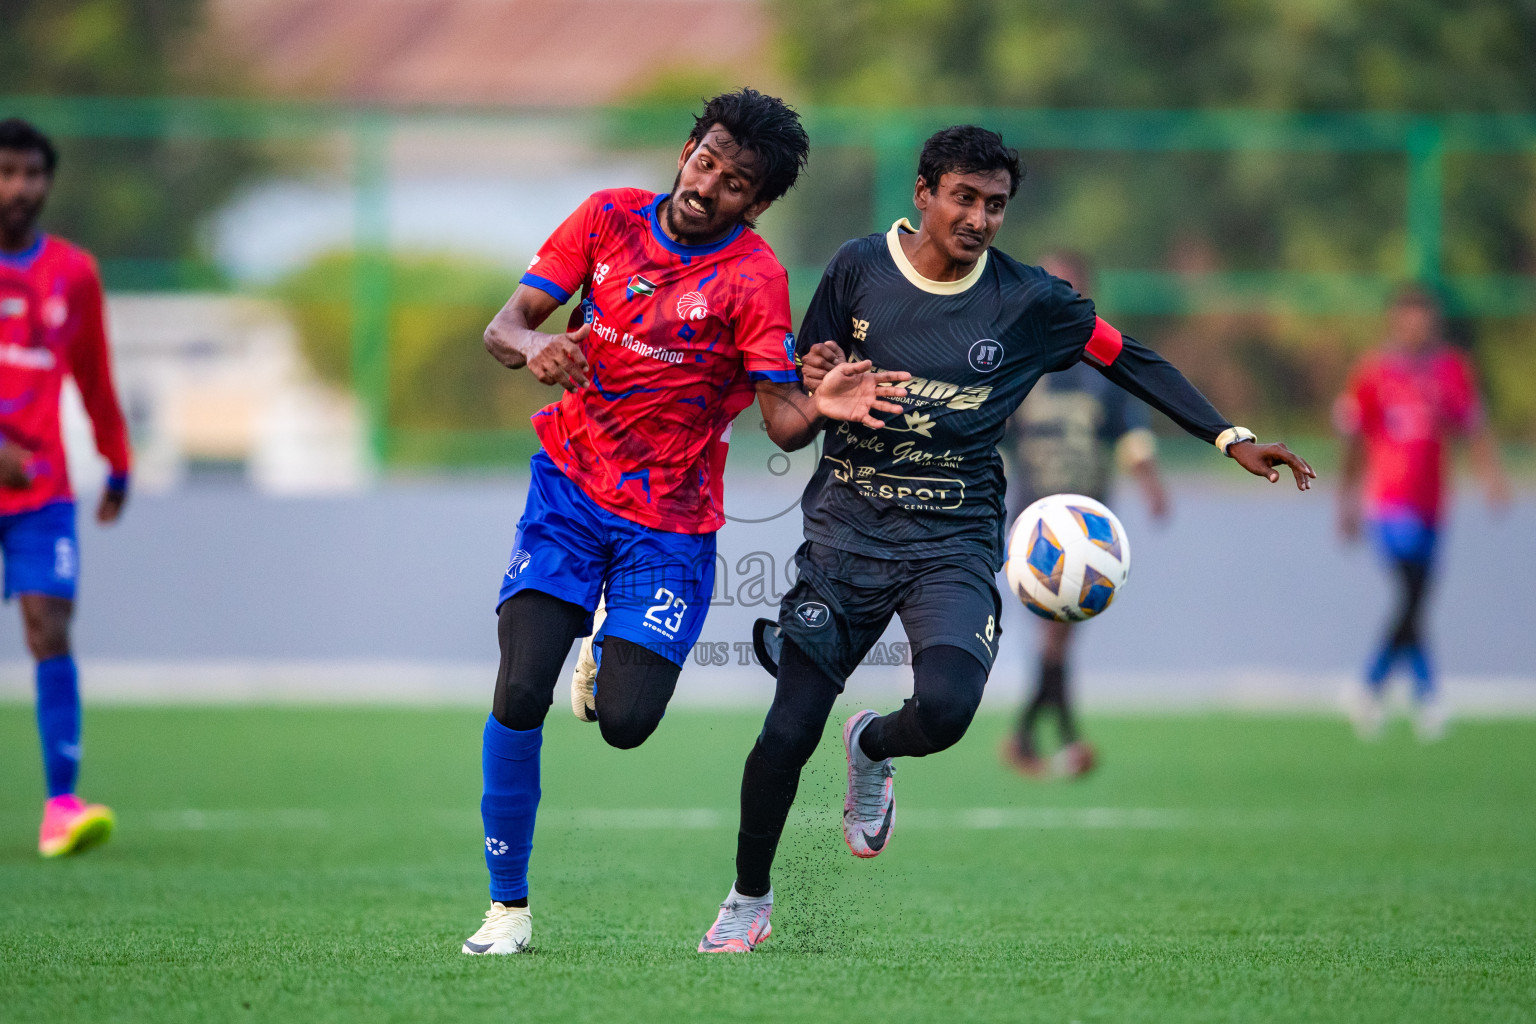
column 46, row 623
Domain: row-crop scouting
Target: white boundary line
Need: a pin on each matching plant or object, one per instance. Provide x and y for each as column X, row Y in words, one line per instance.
column 469, row 684
column 699, row 818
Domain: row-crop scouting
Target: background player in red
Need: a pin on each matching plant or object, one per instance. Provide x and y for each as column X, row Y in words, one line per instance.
column 1403, row 402
column 684, row 319
column 50, row 325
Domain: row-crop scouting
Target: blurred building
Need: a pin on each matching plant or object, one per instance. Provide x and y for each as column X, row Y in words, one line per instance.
column 216, row 390
column 529, row 53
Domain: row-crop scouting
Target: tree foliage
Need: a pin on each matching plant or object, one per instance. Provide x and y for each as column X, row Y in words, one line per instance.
column 126, row 199
column 1416, row 55
column 1237, row 211
column 440, row 376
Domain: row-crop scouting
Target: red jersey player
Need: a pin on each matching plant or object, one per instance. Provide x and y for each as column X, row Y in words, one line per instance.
column 684, row 319
column 50, row 325
column 1401, row 405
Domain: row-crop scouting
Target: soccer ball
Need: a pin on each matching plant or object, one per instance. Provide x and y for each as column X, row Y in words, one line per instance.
column 1068, row 556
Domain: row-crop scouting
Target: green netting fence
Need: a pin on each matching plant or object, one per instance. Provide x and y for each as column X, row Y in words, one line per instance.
column 1253, row 246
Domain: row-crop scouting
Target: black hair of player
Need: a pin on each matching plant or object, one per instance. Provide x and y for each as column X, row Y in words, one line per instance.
column 766, row 126
column 967, row 149
column 24, row 137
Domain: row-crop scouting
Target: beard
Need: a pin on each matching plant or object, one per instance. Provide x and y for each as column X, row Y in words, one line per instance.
column 676, row 227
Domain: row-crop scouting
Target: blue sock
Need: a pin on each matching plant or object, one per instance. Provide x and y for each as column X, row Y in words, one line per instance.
column 510, row 762
column 1381, row 667
column 1423, row 674
column 58, row 722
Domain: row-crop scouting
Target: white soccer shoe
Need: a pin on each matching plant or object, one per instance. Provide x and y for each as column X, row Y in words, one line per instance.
column 584, row 679
column 869, row 809
column 1367, row 712
column 741, row 924
column 1429, row 720
column 505, row 930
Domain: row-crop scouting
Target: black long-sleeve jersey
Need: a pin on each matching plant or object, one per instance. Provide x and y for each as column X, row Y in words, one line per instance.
column 930, row 482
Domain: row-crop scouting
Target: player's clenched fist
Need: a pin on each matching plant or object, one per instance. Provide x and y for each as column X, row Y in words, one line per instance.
column 559, row 360
column 815, row 364
column 13, row 467
column 856, row 391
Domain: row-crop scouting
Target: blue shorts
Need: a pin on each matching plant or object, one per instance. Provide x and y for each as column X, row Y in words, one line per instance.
column 656, row 585
column 1405, row 537
column 42, row 555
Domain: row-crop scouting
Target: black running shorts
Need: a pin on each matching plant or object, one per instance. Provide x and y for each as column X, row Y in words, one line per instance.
column 842, row 602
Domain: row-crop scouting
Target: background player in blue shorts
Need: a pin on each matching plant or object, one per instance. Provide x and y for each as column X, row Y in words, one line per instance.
column 684, row 320
column 51, row 325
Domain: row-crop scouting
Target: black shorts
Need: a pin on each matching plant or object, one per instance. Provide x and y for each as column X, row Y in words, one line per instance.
column 842, row 603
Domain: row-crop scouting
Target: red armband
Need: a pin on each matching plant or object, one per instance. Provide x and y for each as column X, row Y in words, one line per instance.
column 1105, row 344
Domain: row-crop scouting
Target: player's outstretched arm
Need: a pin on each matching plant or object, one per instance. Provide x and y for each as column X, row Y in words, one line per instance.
column 1159, row 383
column 850, row 391
column 515, row 341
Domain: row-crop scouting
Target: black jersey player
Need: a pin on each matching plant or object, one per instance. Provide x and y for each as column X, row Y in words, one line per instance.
column 907, row 520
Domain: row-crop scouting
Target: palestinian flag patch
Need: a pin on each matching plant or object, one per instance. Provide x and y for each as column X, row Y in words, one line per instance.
column 639, row 286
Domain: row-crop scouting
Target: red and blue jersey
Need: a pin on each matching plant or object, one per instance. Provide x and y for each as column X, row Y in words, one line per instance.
column 1404, row 407
column 51, row 324
column 680, row 336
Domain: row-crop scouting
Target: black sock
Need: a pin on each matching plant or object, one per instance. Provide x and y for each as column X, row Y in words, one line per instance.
column 767, row 792
column 896, row 734
column 1048, row 688
column 515, row 904
column 1053, row 683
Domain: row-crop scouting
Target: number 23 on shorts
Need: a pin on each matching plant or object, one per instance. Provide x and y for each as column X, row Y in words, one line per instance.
column 668, row 611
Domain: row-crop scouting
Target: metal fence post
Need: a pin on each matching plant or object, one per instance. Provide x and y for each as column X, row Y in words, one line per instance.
column 1426, row 197
column 371, row 277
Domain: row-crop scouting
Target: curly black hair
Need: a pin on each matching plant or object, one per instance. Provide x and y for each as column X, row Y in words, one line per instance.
column 966, row 149
column 764, row 125
column 23, row 136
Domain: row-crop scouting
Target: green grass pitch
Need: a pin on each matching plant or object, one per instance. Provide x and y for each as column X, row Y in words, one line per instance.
column 301, row 864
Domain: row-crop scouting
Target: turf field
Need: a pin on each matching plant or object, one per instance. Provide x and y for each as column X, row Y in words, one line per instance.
column 277, row 864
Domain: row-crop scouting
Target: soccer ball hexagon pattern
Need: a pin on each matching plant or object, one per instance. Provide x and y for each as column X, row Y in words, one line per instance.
column 1068, row 557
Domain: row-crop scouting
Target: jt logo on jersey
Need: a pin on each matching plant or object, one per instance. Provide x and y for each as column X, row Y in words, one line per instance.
column 986, row 355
